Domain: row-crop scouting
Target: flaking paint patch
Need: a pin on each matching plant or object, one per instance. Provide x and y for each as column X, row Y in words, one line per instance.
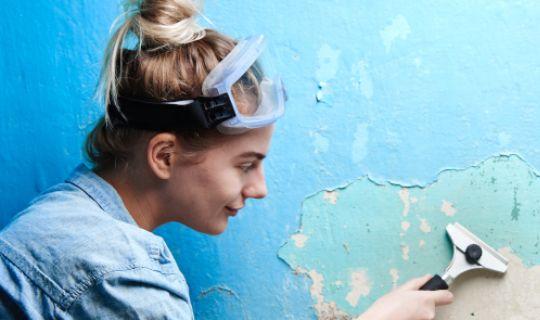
column 363, row 230
column 424, row 226
column 398, row 29
column 299, row 240
column 394, row 273
column 328, row 63
column 404, row 196
column 324, row 310
column 360, row 287
column 405, row 225
column 448, row 208
column 331, row 196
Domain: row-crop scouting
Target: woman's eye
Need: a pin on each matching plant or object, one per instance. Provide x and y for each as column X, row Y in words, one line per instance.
column 247, row 167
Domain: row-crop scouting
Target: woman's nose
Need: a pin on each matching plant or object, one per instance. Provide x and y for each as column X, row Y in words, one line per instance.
column 257, row 186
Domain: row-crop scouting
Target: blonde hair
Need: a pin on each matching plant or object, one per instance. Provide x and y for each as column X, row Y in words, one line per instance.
column 170, row 57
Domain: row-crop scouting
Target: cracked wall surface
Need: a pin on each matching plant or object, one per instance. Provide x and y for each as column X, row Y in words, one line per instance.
column 360, row 240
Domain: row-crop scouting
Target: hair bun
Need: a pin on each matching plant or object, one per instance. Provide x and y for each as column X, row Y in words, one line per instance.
column 163, row 23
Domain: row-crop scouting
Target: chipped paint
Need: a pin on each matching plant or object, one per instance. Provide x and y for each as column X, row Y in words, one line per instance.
column 394, row 273
column 405, row 225
column 448, row 208
column 379, row 239
column 299, row 240
column 360, row 287
column 424, row 226
column 331, row 196
column 404, row 196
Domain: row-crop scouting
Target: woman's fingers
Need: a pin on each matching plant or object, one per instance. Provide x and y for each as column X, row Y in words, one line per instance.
column 442, row 297
column 415, row 284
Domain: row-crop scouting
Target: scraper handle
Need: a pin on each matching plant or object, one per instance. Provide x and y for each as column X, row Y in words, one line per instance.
column 435, row 283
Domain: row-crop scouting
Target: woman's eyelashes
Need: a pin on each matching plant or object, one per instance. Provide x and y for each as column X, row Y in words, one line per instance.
column 248, row 166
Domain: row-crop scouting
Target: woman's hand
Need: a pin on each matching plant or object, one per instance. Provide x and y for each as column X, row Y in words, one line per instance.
column 408, row 303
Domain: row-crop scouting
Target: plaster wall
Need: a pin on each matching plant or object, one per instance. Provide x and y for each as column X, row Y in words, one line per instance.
column 384, row 97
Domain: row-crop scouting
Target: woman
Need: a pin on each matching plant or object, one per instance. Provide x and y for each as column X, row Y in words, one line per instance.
column 188, row 124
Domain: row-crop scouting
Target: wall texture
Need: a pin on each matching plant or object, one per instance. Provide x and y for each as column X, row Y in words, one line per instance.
column 402, row 117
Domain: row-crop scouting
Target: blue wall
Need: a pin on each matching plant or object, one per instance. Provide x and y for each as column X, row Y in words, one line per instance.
column 394, row 90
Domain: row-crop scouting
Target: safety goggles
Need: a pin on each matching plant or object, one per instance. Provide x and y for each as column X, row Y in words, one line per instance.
column 239, row 94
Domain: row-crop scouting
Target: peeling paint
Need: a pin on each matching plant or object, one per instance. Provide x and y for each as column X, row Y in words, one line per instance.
column 405, row 250
column 448, row 208
column 405, row 225
column 404, row 196
column 424, row 226
column 366, row 229
column 394, row 273
column 299, row 240
column 360, row 287
column 331, row 196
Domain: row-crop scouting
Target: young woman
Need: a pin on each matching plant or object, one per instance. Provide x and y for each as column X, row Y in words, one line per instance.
column 188, row 123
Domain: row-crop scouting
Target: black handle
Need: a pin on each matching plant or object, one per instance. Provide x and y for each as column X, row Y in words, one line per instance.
column 435, row 283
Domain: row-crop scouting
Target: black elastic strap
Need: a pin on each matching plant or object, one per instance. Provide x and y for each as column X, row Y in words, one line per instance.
column 162, row 116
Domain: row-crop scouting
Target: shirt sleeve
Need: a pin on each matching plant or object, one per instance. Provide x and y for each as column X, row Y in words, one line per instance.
column 138, row 293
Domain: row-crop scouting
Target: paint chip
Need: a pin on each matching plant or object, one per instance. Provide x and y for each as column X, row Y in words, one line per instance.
column 360, row 287
column 404, row 196
column 424, row 226
column 394, row 273
column 331, row 196
column 448, row 208
column 299, row 240
column 405, row 225
column 405, row 252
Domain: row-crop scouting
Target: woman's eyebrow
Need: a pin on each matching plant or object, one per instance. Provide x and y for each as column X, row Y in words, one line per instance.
column 252, row 154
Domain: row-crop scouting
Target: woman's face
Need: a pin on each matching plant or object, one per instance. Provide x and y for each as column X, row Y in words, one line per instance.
column 205, row 195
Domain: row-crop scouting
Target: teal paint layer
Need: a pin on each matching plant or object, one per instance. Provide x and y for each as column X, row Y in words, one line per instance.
column 386, row 233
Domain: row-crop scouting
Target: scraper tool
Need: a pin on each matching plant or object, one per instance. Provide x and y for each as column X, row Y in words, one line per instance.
column 469, row 253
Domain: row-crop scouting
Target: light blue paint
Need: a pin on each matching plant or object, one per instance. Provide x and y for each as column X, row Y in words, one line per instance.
column 441, row 96
column 399, row 29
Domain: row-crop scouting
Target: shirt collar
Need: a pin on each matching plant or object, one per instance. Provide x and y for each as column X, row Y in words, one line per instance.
column 101, row 192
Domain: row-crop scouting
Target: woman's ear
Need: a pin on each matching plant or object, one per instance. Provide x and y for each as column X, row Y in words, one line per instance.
column 161, row 153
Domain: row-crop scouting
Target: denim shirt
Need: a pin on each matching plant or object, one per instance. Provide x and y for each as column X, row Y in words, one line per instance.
column 76, row 253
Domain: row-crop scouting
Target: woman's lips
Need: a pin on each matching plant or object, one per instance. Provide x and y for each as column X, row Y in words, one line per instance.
column 232, row 211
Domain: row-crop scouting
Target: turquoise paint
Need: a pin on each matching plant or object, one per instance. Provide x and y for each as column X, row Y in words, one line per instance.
column 458, row 85
column 363, row 230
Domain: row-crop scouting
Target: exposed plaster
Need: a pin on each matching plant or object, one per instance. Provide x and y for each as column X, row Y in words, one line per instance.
column 484, row 295
column 448, row 208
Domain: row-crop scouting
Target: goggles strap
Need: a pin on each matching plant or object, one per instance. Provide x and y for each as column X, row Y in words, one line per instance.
column 201, row 112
